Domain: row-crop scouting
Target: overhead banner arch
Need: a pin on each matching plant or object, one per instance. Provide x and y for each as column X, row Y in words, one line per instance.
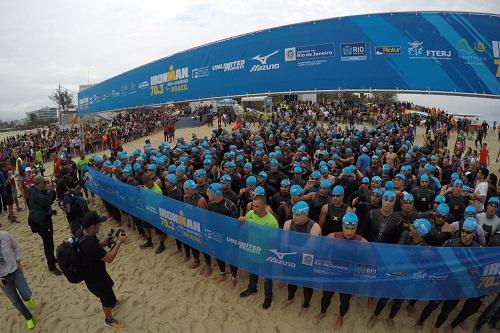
column 431, row 52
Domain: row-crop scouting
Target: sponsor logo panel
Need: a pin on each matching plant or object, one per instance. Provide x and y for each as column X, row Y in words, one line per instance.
column 174, row 80
column 310, row 55
column 496, row 55
column 416, row 50
column 229, row 66
column 387, row 50
column 244, row 246
column 353, row 51
column 200, row 72
column 281, row 258
column 180, row 223
column 264, row 63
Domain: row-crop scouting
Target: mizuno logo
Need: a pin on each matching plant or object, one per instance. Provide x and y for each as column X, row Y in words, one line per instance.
column 263, row 60
column 281, row 255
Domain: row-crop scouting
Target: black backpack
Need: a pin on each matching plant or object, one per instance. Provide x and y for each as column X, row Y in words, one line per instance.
column 68, row 259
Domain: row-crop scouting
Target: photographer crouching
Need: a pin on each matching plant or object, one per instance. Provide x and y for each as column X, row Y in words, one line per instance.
column 94, row 257
column 41, row 197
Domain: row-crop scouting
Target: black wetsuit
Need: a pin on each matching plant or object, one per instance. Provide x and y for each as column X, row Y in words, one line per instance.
column 382, row 229
column 308, row 292
column 193, row 201
column 471, row 305
column 228, row 208
column 405, row 239
column 316, row 204
column 333, row 219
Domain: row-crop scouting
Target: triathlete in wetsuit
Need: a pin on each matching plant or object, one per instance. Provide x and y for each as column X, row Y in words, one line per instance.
column 303, row 224
column 414, row 236
column 349, row 228
column 471, row 305
column 330, row 219
column 385, row 225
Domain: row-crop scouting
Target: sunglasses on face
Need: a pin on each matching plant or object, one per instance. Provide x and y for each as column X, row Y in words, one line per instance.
column 468, row 232
column 337, row 195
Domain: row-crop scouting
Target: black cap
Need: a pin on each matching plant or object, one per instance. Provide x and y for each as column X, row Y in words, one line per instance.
column 90, row 218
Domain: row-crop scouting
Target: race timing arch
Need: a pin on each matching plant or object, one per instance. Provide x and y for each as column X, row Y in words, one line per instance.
column 428, row 52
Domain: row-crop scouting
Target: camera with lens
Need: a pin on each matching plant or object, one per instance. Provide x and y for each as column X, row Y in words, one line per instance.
column 113, row 235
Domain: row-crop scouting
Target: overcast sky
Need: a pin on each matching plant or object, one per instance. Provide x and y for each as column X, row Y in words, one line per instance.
column 44, row 43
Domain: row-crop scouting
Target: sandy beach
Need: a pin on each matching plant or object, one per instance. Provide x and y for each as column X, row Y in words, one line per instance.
column 162, row 295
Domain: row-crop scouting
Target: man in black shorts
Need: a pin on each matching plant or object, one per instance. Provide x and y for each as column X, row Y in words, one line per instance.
column 93, row 258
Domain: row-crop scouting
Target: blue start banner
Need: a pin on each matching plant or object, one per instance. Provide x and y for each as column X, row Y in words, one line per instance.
column 368, row 269
column 447, row 53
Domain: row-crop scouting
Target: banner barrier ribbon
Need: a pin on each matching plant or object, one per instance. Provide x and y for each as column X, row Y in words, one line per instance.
column 350, row 267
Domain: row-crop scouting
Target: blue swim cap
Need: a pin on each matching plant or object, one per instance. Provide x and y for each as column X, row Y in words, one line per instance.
column 455, row 176
column 338, row 190
column 200, row 173
column 470, row 223
column 182, row 159
column 401, row 176
column 225, row 179
column 458, row 182
column 323, row 169
column 296, row 190
column 171, row 178
column 389, row 185
column 300, row 208
column 494, row 200
column 207, row 161
column 189, row 184
column 259, row 191
column 440, row 199
column 215, row 189
column 239, row 158
column 251, row 181
column 152, row 167
column 423, row 226
column 171, row 168
column 297, row 169
column 350, row 219
column 263, row 174
column 377, row 179
column 377, row 191
column 408, row 197
column 127, row 169
column 274, row 162
column 389, row 195
column 315, row 175
column 230, row 165
column 248, row 165
column 470, row 211
column 386, row 168
column 181, row 169
column 429, row 168
column 424, row 178
column 347, row 171
column 117, row 164
column 443, row 209
column 325, row 183
column 137, row 167
column 285, row 182
column 365, row 180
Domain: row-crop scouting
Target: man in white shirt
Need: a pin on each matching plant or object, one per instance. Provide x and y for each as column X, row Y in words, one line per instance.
column 488, row 220
column 481, row 189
